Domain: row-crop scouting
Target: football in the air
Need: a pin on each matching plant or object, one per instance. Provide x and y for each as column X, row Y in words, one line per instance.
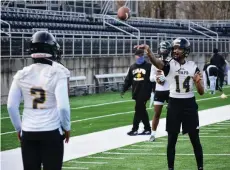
column 123, row 13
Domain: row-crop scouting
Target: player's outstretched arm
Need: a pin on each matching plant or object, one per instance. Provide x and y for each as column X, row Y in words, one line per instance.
column 198, row 81
column 156, row 62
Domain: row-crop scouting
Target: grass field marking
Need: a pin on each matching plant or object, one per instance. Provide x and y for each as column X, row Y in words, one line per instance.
column 112, row 158
column 201, row 133
column 224, row 123
column 155, row 142
column 221, row 125
column 71, row 167
column 162, row 154
column 215, row 136
column 86, row 162
column 149, row 146
column 213, row 128
column 209, row 130
column 79, row 145
column 134, row 149
column 180, row 139
column 115, row 114
column 5, row 133
column 101, row 104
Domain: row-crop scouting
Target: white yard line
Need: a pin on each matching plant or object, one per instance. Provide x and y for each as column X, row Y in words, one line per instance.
column 149, row 146
column 161, row 154
column 209, row 130
column 71, row 167
column 201, row 133
column 115, row 114
column 215, row 136
column 224, row 123
column 86, row 162
column 218, row 125
column 213, row 128
column 109, row 158
column 124, row 149
column 97, row 142
column 179, row 139
column 155, row 142
column 102, row 104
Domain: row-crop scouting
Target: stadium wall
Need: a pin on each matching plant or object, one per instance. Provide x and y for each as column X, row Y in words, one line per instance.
column 80, row 66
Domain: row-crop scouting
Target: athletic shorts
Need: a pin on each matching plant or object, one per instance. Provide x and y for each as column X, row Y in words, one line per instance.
column 153, row 86
column 160, row 97
column 182, row 112
column 213, row 71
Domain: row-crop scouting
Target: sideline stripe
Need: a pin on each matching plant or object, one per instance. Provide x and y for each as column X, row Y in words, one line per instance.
column 79, row 162
column 161, row 154
column 104, row 158
column 71, row 167
column 121, row 113
column 102, row 104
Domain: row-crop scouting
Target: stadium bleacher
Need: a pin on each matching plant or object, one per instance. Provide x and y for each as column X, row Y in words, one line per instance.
column 80, row 34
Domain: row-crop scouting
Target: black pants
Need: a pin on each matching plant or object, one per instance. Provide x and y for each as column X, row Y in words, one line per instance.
column 220, row 78
column 141, row 114
column 195, row 140
column 183, row 112
column 42, row 148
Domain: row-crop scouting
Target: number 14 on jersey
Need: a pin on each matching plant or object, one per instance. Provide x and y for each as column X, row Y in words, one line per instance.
column 185, row 84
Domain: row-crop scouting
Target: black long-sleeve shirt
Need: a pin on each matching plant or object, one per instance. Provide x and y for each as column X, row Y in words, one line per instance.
column 218, row 61
column 138, row 78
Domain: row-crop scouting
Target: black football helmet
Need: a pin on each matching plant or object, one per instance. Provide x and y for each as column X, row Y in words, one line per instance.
column 182, row 43
column 164, row 49
column 44, row 45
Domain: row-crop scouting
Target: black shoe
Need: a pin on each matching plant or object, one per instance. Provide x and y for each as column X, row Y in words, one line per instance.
column 132, row 133
column 220, row 89
column 201, row 168
column 145, row 132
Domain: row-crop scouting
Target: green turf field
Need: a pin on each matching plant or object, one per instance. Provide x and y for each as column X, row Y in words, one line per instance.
column 152, row 155
column 96, row 118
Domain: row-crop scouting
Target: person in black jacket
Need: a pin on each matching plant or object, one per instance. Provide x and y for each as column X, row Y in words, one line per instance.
column 138, row 77
column 218, row 61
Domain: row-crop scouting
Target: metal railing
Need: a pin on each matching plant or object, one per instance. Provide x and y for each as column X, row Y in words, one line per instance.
column 105, row 45
column 43, row 12
column 191, row 27
column 134, row 28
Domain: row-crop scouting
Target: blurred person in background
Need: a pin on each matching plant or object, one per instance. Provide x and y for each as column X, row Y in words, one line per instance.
column 218, row 61
column 138, row 77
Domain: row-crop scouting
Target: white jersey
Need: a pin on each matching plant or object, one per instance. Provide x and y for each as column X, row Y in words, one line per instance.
column 159, row 87
column 37, row 83
column 180, row 78
column 208, row 68
column 59, row 66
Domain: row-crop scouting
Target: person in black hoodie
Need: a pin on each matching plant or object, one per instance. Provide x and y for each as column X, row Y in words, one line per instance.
column 138, row 77
column 218, row 61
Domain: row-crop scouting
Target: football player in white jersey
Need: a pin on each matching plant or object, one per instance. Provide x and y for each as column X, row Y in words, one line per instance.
column 162, row 86
column 210, row 73
column 43, row 87
column 182, row 107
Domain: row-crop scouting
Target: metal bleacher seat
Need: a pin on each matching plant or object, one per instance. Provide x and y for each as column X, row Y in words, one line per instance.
column 79, row 85
column 110, row 82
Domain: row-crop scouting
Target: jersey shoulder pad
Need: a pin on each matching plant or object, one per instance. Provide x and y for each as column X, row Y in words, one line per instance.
column 60, row 68
column 22, row 73
column 192, row 63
